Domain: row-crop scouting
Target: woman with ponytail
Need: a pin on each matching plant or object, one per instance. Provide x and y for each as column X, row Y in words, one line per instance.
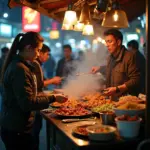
column 20, row 98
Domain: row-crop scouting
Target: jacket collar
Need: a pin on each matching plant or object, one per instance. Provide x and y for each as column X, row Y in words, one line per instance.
column 120, row 56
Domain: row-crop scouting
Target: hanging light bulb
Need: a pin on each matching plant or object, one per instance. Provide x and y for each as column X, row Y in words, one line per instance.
column 115, row 18
column 88, row 30
column 79, row 26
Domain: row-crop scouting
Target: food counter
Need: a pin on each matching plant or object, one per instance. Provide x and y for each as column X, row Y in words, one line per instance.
column 127, row 124
column 60, row 137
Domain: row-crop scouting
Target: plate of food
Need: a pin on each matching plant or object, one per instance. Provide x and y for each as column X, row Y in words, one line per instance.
column 76, row 112
column 81, row 130
column 101, row 132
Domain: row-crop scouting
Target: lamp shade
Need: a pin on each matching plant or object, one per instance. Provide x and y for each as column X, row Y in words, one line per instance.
column 115, row 19
column 70, row 17
column 85, row 16
column 67, row 27
column 79, row 26
column 88, row 30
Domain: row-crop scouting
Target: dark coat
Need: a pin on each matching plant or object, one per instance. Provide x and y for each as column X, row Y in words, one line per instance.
column 124, row 71
column 39, row 74
column 20, row 98
column 64, row 68
column 141, row 63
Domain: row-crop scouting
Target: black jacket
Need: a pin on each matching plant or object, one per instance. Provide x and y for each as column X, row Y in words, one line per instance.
column 39, row 74
column 20, row 97
column 64, row 68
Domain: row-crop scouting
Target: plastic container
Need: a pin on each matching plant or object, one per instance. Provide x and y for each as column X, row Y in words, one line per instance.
column 128, row 129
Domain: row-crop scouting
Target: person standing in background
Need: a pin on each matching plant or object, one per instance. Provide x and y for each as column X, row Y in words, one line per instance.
column 141, row 62
column 65, row 66
column 41, row 83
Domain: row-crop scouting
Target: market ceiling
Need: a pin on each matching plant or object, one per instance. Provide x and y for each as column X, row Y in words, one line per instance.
column 55, row 8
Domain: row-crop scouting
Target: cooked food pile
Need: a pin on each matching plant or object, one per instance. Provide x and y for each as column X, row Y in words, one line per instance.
column 86, row 101
column 101, row 129
column 79, row 111
column 104, row 107
column 81, row 130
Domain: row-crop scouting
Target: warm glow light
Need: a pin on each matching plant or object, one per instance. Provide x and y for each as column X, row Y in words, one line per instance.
column 54, row 34
column 81, row 142
column 103, row 41
column 70, row 17
column 99, row 39
column 79, row 26
column 95, row 41
column 67, row 27
column 115, row 16
column 88, row 30
column 115, row 19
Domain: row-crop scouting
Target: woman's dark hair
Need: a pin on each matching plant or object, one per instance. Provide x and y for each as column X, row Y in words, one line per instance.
column 20, row 42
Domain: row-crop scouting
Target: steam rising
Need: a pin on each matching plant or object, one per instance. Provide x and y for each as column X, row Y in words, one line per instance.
column 78, row 85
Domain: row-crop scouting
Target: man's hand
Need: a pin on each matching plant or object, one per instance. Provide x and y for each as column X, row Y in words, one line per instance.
column 110, row 91
column 56, row 80
column 95, row 69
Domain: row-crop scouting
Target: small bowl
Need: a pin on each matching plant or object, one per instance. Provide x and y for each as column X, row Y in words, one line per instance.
column 101, row 136
column 128, row 129
column 107, row 117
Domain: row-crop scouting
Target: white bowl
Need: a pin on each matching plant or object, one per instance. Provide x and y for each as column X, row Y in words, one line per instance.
column 128, row 129
column 101, row 136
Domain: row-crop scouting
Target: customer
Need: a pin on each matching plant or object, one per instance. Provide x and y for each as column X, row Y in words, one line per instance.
column 141, row 62
column 41, row 83
column 122, row 74
column 65, row 65
column 20, row 98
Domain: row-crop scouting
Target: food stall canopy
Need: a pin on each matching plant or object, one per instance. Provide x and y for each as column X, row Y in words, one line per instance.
column 55, row 9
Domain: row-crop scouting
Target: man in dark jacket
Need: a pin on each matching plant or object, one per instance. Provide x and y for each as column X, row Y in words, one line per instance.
column 141, row 62
column 122, row 73
column 41, row 83
column 65, row 65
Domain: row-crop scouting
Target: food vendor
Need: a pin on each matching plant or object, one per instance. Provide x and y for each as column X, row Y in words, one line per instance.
column 122, row 73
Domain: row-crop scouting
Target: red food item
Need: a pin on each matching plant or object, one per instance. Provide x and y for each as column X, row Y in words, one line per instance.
column 128, row 118
column 72, row 111
column 82, row 130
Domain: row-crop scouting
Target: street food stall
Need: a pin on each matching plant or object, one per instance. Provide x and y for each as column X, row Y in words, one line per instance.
column 88, row 108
